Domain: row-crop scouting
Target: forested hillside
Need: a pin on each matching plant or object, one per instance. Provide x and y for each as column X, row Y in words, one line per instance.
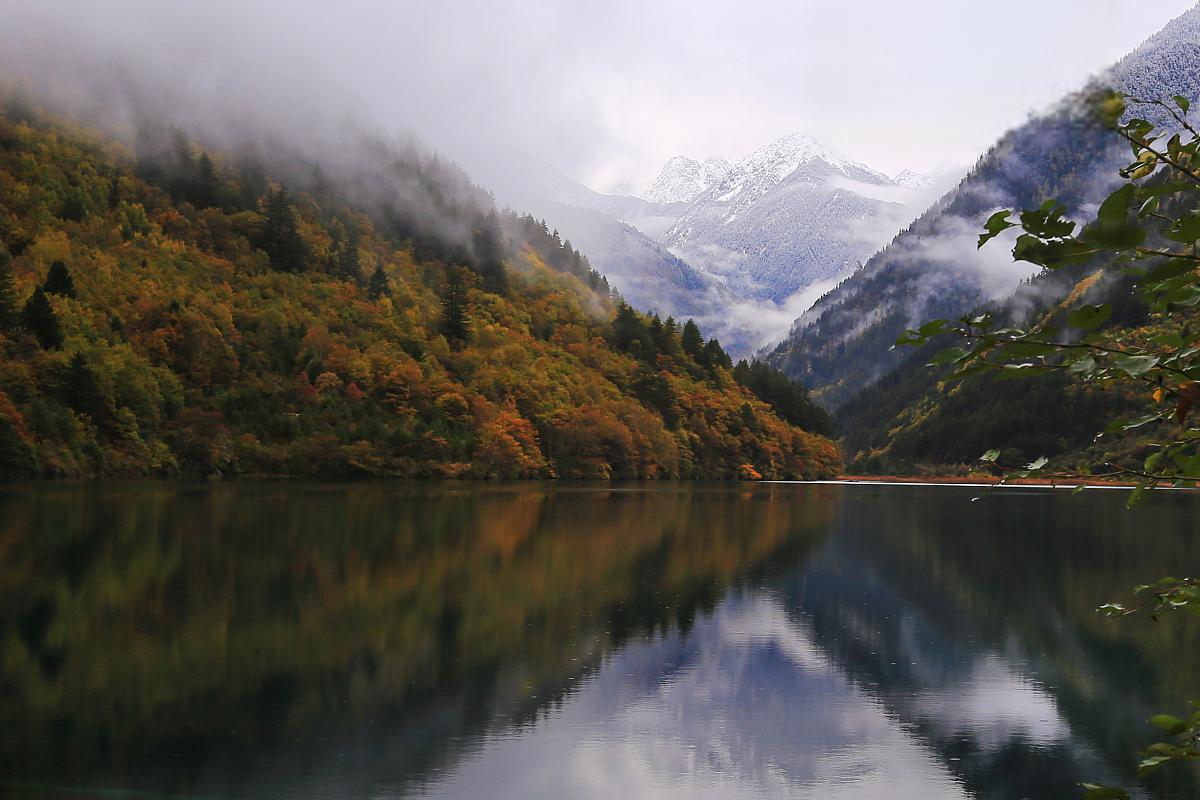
column 915, row 421
column 168, row 308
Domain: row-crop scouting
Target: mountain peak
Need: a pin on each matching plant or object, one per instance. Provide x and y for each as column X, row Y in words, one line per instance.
column 683, row 179
column 788, row 153
column 913, row 180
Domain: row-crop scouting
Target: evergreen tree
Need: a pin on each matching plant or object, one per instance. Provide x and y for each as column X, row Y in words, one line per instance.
column 39, row 319
column 692, row 341
column 279, row 236
column 715, row 356
column 378, row 285
column 629, row 334
column 489, row 253
column 348, row 267
column 81, row 391
column 207, row 188
column 73, row 208
column 454, row 311
column 8, row 302
column 59, row 281
column 114, row 191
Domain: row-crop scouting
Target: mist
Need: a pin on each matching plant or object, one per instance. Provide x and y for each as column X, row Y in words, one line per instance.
column 604, row 92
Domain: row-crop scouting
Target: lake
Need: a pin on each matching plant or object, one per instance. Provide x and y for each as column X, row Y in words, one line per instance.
column 504, row 641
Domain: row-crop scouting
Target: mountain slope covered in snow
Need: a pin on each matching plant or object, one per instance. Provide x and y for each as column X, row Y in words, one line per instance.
column 933, row 268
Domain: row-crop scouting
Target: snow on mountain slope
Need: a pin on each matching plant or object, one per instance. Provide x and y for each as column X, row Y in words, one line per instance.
column 739, row 247
column 913, row 180
column 790, row 214
column 683, row 179
column 933, row 269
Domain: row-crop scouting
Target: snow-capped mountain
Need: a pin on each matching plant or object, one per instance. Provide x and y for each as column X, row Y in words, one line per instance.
column 683, row 179
column 934, row 269
column 789, row 214
column 742, row 248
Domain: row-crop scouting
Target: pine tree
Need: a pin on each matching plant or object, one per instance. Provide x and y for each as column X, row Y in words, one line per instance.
column 39, row 319
column 8, row 302
column 206, row 192
column 692, row 341
column 279, row 236
column 378, row 285
column 488, row 246
column 59, row 281
column 74, row 209
column 454, row 311
column 114, row 191
column 348, row 267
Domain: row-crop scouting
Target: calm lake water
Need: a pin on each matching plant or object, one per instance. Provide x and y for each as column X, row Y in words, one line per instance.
column 583, row 641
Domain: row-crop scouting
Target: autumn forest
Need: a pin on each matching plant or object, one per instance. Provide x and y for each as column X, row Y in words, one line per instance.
column 170, row 307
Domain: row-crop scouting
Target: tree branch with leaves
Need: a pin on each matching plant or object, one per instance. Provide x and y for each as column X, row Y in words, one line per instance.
column 1147, row 230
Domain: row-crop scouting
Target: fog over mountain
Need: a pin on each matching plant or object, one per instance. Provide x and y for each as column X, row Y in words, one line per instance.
column 592, row 96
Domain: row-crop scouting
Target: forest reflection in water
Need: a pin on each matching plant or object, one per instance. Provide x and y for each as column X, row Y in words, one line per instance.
column 534, row 640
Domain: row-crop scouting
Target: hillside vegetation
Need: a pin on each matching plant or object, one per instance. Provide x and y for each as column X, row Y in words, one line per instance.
column 170, row 309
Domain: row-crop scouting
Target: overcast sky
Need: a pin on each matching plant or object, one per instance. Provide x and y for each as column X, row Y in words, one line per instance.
column 606, row 90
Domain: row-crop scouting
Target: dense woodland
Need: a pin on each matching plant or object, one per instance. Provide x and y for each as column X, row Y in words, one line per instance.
column 915, row 421
column 168, row 308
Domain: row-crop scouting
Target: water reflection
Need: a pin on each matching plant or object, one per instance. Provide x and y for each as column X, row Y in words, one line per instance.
column 530, row 641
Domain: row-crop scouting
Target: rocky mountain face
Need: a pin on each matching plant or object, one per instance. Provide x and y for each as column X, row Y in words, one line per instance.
column 933, row 269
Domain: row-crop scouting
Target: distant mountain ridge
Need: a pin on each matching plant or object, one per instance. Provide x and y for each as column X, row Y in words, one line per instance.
column 932, row 269
column 735, row 245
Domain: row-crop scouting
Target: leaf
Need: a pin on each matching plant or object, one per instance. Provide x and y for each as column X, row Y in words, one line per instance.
column 1186, row 229
column 1051, row 255
column 1116, row 206
column 1139, row 494
column 1168, row 269
column 1083, row 366
column 1011, row 372
column 1113, row 227
column 1109, row 107
column 1089, row 317
column 1143, row 167
column 1047, row 222
column 1183, row 103
column 1148, row 765
column 1135, row 366
column 948, row 356
column 1138, row 422
column 1168, row 723
column 1094, row 791
column 1188, row 396
column 991, row 456
column 996, row 224
column 1028, row 349
column 1037, row 464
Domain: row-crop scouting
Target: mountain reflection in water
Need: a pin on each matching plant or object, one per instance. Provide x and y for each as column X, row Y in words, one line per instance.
column 583, row 641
